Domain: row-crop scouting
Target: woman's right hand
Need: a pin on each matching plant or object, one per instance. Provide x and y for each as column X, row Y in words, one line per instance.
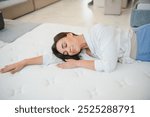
column 13, row 68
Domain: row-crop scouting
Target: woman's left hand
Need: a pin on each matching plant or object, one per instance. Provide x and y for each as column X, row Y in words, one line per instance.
column 70, row 63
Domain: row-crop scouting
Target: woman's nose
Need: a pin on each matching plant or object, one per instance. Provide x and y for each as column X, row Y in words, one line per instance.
column 69, row 50
column 72, row 50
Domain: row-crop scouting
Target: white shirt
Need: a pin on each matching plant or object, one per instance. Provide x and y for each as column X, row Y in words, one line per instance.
column 107, row 45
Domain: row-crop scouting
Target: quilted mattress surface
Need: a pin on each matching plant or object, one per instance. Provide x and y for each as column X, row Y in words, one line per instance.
column 128, row 81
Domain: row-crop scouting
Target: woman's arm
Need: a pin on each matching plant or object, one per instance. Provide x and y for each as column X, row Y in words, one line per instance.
column 13, row 68
column 89, row 64
column 34, row 61
column 71, row 63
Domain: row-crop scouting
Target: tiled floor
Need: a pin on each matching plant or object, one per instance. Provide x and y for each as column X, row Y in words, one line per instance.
column 77, row 13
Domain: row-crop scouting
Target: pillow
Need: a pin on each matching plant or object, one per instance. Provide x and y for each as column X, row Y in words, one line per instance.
column 1, row 21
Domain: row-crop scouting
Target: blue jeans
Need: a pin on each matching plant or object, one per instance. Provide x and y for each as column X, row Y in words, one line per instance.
column 143, row 43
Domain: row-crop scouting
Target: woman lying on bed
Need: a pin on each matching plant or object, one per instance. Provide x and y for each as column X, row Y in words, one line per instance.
column 107, row 44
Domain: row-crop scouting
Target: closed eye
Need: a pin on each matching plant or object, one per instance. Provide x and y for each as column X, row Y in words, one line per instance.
column 64, row 45
column 65, row 53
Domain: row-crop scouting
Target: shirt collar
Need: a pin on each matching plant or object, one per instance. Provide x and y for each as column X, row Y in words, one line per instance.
column 89, row 42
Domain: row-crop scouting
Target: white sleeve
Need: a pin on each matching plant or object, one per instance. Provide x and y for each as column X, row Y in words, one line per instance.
column 108, row 60
column 50, row 59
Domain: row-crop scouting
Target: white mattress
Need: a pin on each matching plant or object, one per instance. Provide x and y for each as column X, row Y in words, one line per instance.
column 128, row 81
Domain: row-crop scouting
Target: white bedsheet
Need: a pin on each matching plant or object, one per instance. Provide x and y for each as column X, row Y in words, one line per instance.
column 128, row 81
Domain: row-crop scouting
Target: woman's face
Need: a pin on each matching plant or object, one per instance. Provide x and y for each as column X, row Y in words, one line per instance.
column 68, row 45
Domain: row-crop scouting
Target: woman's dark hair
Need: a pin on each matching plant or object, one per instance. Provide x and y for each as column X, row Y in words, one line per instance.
column 58, row 54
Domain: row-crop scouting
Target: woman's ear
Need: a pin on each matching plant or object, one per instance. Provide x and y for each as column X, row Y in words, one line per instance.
column 69, row 34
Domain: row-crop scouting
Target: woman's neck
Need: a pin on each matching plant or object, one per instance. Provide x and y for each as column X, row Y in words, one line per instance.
column 82, row 42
